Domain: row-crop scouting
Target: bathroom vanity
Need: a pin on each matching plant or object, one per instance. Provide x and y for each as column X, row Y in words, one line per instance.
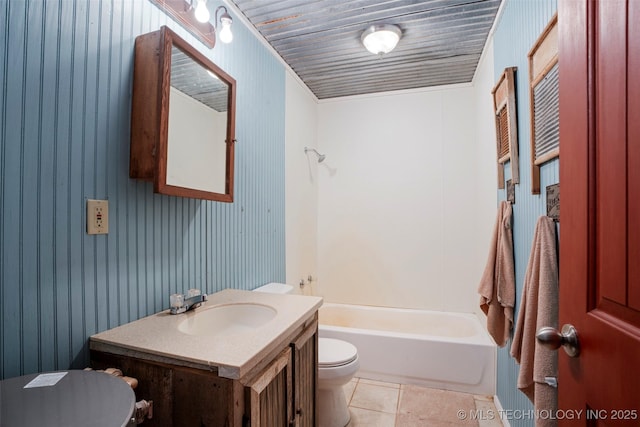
column 242, row 359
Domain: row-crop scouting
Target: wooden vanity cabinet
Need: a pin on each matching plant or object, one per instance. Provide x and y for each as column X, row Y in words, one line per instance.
column 269, row 396
column 305, row 373
column 281, row 391
column 280, row 394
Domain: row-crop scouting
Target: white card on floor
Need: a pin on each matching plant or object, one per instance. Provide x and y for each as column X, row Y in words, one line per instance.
column 45, row 380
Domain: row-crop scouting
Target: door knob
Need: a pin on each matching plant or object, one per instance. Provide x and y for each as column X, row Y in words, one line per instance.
column 553, row 339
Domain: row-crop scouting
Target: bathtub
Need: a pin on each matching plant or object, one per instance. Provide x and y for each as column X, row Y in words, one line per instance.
column 449, row 351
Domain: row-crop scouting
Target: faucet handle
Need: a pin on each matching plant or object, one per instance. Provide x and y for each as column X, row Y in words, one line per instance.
column 193, row 293
column 176, row 300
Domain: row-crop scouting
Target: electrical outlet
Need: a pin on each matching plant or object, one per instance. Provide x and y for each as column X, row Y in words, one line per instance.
column 97, row 216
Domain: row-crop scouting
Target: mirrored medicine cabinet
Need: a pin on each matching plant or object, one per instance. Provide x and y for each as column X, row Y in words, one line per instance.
column 182, row 119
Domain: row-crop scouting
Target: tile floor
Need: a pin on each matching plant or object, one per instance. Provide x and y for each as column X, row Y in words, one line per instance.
column 380, row 404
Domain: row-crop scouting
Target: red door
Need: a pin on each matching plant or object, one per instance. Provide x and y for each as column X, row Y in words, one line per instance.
column 599, row 50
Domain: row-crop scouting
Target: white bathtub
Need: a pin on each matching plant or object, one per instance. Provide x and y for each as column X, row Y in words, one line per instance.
column 450, row 351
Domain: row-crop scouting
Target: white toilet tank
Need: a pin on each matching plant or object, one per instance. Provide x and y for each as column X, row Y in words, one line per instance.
column 275, row 288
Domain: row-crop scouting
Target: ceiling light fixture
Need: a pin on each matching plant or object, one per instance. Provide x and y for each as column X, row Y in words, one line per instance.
column 381, row 38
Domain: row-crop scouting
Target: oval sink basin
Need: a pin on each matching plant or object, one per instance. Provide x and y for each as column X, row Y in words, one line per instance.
column 227, row 319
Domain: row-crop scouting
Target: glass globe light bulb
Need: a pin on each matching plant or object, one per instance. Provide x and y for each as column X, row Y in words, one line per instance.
column 226, row 36
column 202, row 13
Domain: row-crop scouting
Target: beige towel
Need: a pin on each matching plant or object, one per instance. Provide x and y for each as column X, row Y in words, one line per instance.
column 497, row 287
column 538, row 308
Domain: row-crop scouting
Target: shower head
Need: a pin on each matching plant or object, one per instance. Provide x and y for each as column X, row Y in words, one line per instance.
column 321, row 157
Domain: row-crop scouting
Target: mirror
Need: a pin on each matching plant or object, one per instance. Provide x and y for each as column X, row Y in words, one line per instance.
column 183, row 120
column 198, row 104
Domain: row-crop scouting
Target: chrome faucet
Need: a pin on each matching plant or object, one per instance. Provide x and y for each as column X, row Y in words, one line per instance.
column 179, row 304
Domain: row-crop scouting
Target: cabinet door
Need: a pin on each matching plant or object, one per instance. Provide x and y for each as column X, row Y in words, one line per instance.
column 305, row 374
column 269, row 395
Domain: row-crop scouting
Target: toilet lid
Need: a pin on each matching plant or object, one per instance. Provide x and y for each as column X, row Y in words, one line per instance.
column 332, row 352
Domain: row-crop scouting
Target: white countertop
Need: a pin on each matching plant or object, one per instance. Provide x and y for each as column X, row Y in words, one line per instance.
column 157, row 337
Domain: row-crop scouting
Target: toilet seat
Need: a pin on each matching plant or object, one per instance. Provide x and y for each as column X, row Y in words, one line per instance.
column 333, row 353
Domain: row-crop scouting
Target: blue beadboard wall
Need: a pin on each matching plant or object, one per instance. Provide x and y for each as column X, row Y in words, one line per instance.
column 65, row 76
column 520, row 25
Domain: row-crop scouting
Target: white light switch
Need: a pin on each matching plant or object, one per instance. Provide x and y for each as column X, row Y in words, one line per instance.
column 97, row 216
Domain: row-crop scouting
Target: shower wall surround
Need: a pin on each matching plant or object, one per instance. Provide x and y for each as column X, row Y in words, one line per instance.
column 520, row 25
column 301, row 184
column 64, row 137
column 405, row 202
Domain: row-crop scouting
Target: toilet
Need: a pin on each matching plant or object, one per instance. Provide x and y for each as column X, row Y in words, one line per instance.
column 337, row 364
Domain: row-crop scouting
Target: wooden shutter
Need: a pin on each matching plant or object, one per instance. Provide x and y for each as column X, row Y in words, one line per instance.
column 544, row 101
column 504, row 103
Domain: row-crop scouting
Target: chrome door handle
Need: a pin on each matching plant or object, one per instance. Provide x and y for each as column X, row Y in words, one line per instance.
column 553, row 339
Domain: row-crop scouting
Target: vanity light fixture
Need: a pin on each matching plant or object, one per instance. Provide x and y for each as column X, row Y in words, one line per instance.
column 381, row 38
column 202, row 15
column 193, row 15
column 202, row 12
column 226, row 36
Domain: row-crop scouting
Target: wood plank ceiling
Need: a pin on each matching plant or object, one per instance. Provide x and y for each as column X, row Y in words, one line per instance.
column 441, row 43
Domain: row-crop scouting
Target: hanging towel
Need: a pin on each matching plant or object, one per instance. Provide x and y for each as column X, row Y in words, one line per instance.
column 497, row 287
column 538, row 308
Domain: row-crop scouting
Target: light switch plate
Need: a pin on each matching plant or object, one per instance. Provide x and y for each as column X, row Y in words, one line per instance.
column 97, row 216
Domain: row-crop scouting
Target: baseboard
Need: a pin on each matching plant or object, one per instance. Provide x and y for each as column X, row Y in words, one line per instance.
column 505, row 421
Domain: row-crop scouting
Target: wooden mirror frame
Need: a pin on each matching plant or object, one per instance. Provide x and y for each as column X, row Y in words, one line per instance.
column 150, row 114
